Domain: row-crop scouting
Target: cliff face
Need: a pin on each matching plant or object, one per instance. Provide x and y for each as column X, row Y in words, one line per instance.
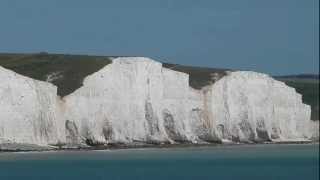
column 249, row 106
column 132, row 100
column 137, row 100
column 28, row 110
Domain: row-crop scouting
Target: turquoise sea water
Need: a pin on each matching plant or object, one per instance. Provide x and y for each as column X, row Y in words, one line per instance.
column 262, row 162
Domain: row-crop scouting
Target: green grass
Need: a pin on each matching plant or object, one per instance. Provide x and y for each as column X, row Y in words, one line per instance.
column 73, row 68
column 198, row 76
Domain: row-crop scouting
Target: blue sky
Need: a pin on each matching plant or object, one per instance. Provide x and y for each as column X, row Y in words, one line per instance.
column 272, row 36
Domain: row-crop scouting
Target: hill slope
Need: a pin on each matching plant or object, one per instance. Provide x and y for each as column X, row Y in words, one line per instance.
column 67, row 73
column 64, row 71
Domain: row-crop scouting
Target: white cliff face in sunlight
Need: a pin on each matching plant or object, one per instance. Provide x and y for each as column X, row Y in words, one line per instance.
column 28, row 110
column 132, row 100
column 135, row 99
column 249, row 106
column 111, row 106
column 314, row 130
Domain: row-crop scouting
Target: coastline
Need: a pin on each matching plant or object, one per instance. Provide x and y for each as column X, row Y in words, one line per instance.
column 148, row 146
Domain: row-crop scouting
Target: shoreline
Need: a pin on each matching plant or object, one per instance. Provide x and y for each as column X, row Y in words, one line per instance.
column 151, row 146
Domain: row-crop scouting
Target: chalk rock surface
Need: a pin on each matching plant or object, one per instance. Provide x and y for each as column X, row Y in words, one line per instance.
column 132, row 100
column 248, row 106
column 314, row 130
column 136, row 100
column 28, row 111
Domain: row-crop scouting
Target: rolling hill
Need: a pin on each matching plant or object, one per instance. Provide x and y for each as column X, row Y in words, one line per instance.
column 68, row 71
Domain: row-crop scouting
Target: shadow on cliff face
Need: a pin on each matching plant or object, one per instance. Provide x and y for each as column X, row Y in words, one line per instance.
column 203, row 127
column 262, row 132
column 173, row 132
column 152, row 119
column 72, row 133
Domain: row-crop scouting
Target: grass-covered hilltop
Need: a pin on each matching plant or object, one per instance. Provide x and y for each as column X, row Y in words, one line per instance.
column 64, row 71
column 68, row 71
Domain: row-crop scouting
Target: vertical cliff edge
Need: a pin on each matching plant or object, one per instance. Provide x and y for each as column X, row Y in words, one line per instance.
column 137, row 100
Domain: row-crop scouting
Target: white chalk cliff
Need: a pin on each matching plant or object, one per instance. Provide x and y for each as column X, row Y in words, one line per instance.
column 137, row 100
column 28, row 110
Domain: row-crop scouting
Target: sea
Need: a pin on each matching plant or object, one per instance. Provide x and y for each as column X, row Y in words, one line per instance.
column 233, row 162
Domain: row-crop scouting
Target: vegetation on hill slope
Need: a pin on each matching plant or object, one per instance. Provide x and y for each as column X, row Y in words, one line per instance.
column 65, row 71
column 68, row 71
column 199, row 76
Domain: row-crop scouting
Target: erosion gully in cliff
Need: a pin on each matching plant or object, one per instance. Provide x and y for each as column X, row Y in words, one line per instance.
column 136, row 100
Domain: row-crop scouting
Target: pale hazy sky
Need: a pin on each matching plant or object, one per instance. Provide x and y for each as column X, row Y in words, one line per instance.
column 272, row 36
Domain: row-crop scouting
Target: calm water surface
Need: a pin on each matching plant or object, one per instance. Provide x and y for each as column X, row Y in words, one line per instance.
column 262, row 162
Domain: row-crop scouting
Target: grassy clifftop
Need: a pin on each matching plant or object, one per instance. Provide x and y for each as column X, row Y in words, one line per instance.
column 199, row 76
column 64, row 71
column 68, row 71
